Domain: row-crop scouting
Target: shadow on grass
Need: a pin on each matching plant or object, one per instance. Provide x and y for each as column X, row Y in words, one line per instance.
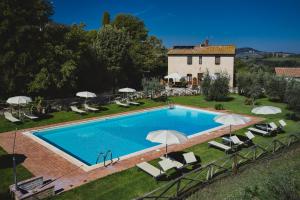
column 6, row 160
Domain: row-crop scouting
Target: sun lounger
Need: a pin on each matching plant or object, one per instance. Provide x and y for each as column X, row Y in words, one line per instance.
column 122, row 104
column 282, row 123
column 75, row 109
column 236, row 140
column 249, row 135
column 30, row 116
column 10, row 117
column 133, row 103
column 87, row 107
column 150, row 169
column 219, row 145
column 189, row 158
column 170, row 163
column 255, row 130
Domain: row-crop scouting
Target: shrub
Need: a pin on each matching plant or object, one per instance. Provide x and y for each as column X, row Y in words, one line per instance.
column 151, row 86
column 292, row 116
column 219, row 107
column 216, row 88
column 248, row 101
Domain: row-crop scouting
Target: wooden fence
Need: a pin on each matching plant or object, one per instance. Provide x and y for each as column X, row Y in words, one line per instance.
column 186, row 184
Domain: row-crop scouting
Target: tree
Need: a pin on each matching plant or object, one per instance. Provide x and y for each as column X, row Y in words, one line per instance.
column 292, row 94
column 21, row 38
column 275, row 88
column 133, row 26
column 105, row 18
column 151, row 86
column 111, row 46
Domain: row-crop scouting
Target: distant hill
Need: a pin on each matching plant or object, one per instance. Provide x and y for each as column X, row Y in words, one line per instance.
column 248, row 52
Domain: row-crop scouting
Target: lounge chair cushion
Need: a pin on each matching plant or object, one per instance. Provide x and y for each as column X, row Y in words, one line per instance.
column 236, row 140
column 166, row 164
column 282, row 123
column 189, row 157
column 10, row 117
column 249, row 135
column 219, row 145
column 255, row 130
column 150, row 169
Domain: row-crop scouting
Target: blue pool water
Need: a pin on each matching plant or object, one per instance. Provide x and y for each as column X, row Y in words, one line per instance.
column 124, row 134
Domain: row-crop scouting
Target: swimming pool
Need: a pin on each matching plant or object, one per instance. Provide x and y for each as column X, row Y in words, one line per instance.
column 125, row 134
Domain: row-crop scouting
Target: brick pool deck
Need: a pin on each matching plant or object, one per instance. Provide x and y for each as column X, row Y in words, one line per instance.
column 41, row 161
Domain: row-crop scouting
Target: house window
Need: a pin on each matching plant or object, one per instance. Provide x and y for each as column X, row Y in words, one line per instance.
column 217, row 60
column 200, row 60
column 189, row 60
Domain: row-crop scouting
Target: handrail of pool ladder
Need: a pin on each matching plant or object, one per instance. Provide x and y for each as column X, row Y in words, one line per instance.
column 105, row 155
column 170, row 104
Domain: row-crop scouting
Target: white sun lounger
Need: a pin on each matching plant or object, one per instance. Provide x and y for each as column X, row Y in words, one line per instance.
column 122, row 104
column 219, row 145
column 236, row 140
column 87, row 107
column 255, row 130
column 282, row 123
column 150, row 169
column 75, row 109
column 249, row 135
column 29, row 116
column 133, row 103
column 10, row 117
column 274, row 127
column 169, row 163
column 189, row 158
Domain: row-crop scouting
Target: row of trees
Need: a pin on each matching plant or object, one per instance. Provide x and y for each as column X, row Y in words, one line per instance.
column 258, row 84
column 41, row 57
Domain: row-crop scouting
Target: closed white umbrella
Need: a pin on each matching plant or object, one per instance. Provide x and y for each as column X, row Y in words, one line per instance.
column 86, row 94
column 231, row 119
column 167, row 137
column 127, row 90
column 266, row 110
column 19, row 100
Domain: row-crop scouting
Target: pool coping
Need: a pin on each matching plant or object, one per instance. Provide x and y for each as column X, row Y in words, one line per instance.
column 86, row 167
column 41, row 161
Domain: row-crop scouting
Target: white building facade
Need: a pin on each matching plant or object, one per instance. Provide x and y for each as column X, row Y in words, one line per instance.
column 192, row 62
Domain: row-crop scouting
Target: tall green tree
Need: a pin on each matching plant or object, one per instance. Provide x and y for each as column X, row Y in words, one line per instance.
column 105, row 18
column 21, row 38
column 111, row 46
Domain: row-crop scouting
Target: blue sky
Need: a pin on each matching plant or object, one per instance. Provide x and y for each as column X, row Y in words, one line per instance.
column 270, row 25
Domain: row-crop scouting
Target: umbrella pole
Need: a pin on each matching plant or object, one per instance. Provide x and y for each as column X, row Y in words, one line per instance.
column 166, row 150
column 14, row 163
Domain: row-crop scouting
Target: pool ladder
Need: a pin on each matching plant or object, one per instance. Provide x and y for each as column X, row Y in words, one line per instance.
column 171, row 105
column 106, row 155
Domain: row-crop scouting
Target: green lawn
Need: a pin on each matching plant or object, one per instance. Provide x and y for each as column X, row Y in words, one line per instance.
column 232, row 187
column 132, row 183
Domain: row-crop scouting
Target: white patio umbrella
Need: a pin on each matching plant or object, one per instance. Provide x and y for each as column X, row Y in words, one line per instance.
column 175, row 76
column 231, row 119
column 167, row 137
column 19, row 100
column 86, row 94
column 266, row 110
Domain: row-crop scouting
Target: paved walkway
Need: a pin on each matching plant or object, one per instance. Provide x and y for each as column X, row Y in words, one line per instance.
column 43, row 162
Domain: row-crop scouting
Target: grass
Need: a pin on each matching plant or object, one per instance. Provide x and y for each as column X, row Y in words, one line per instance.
column 132, row 182
column 234, row 186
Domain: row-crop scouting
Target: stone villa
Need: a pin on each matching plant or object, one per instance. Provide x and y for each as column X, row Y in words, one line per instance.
column 191, row 62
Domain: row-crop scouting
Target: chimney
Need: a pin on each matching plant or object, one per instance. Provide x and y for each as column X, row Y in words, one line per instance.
column 206, row 43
